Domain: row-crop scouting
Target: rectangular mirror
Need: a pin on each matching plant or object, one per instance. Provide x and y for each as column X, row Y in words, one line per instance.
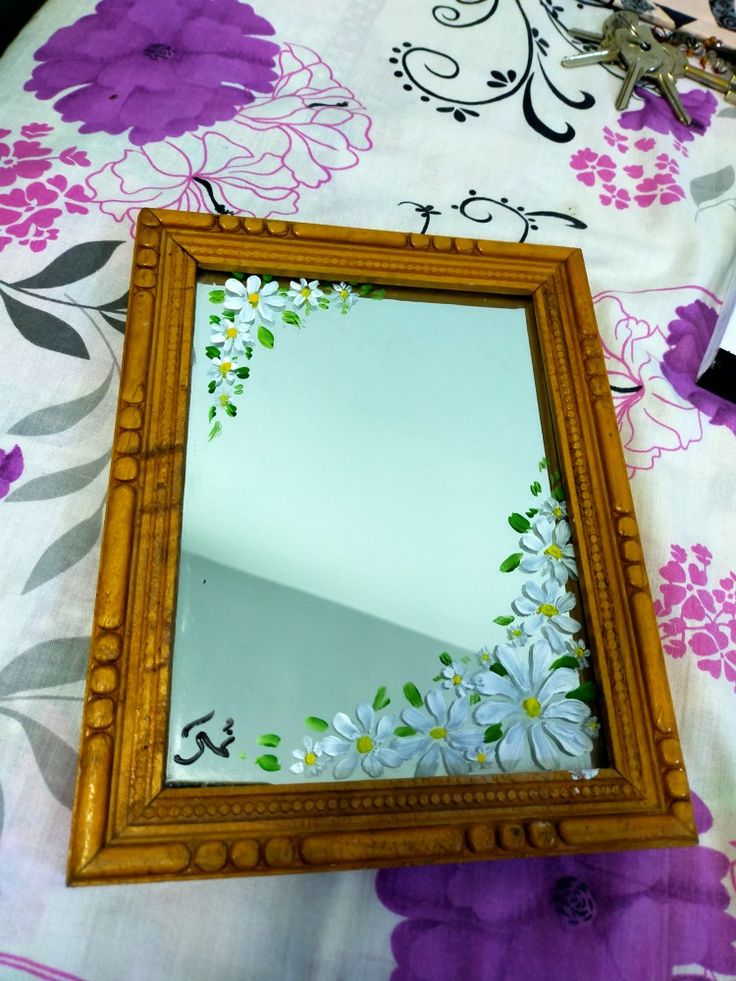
column 371, row 590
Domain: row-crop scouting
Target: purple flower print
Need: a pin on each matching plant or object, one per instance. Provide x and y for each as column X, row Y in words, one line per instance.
column 697, row 618
column 657, row 114
column 11, row 467
column 28, row 159
column 625, row 916
column 157, row 69
column 687, row 338
column 592, row 165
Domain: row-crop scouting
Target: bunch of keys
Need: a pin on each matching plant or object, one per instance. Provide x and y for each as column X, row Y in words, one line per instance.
column 626, row 39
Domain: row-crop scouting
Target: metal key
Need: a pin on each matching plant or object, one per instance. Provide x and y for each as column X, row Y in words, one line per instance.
column 674, row 64
column 642, row 55
column 608, row 47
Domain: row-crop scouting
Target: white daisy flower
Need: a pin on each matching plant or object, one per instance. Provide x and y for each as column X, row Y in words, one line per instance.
column 549, row 549
column 366, row 743
column 485, row 658
column 554, row 509
column 223, row 370
column 516, row 637
column 529, row 704
column 345, row 295
column 253, row 299
column 439, row 735
column 304, row 294
column 233, row 336
column 454, row 677
column 546, row 607
column 311, row 760
column 481, row 757
column 578, row 650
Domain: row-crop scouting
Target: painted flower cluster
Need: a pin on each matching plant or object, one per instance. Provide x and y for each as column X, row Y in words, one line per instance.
column 34, row 191
column 652, row 176
column 247, row 311
column 698, row 616
column 519, row 704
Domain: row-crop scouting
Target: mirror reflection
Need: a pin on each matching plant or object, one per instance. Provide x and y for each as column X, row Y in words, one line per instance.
column 377, row 577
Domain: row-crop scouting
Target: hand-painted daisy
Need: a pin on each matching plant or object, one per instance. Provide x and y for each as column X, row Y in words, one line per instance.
column 482, row 756
column 223, row 370
column 253, row 299
column 367, row 743
column 552, row 508
column 578, row 650
column 516, row 637
column 455, row 677
column 546, row 607
column 344, row 295
column 439, row 735
column 529, row 704
column 311, row 760
column 305, row 294
column 233, row 336
column 549, row 549
column 485, row 658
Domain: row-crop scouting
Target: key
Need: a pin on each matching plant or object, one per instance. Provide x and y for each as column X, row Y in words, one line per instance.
column 642, row 55
column 674, row 63
column 608, row 48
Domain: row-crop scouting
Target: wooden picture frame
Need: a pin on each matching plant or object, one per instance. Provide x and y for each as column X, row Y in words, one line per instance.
column 128, row 825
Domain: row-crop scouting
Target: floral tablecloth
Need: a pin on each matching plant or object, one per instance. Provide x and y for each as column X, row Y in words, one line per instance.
column 454, row 118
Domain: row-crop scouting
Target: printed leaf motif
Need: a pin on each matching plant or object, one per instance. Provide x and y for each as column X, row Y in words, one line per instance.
column 118, row 305
column 66, row 551
column 56, row 760
column 269, row 739
column 412, row 695
column 519, row 523
column 511, row 562
column 57, row 418
column 115, row 322
column 316, row 724
column 381, row 700
column 269, row 762
column 76, row 263
column 503, row 621
column 711, row 186
column 61, row 483
column 46, row 665
column 44, row 329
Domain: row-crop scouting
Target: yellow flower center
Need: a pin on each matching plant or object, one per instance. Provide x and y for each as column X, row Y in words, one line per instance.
column 548, row 610
column 557, row 512
column 310, row 758
column 224, row 399
column 532, row 707
column 485, row 657
column 516, row 632
column 481, row 757
column 438, row 732
column 456, row 679
column 344, row 294
column 580, row 653
column 253, row 299
column 225, row 368
column 231, row 332
column 364, row 744
column 305, row 292
column 554, row 550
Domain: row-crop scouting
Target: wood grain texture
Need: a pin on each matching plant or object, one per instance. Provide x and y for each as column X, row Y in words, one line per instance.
column 127, row 825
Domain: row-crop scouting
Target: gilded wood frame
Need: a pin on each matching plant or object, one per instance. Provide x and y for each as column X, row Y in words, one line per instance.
column 127, row 825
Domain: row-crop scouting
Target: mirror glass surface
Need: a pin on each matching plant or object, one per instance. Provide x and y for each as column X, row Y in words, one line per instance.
column 342, row 612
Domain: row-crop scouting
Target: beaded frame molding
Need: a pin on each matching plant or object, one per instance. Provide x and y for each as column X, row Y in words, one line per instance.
column 128, row 825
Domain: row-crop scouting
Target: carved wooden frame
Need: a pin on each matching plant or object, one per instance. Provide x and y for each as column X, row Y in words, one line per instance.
column 127, row 825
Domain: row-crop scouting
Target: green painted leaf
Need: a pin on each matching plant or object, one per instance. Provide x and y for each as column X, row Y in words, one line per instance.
column 316, row 724
column 61, row 483
column 46, row 665
column 231, row 409
column 76, row 263
column 474, row 698
column 243, row 371
column 324, row 303
column 543, row 464
column 44, row 329
column 217, row 296
column 493, row 733
column 381, row 700
column 536, row 488
column 66, row 551
column 215, row 431
column 57, row 418
column 211, row 386
column 212, row 352
column 366, row 289
column 249, row 353
column 378, row 295
column 587, row 692
column 411, row 693
column 531, row 512
column 291, row 318
column 241, row 276
column 446, row 659
column 56, row 760
column 518, row 522
column 268, row 762
column 265, row 277
column 265, row 336
column 567, row 661
column 498, row 668
column 214, row 319
column 558, row 493
column 511, row 562
column 503, row 621
column 238, row 389
column 212, row 413
column 228, row 315
column 269, row 739
column 404, row 731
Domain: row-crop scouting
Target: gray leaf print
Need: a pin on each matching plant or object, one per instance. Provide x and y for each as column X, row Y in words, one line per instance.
column 66, row 551
column 46, row 665
column 76, row 263
column 61, row 483
column 44, row 329
column 711, row 186
column 57, row 418
column 56, row 760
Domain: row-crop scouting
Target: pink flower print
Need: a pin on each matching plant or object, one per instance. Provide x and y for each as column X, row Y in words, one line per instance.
column 652, row 418
column 645, row 144
column 74, row 196
column 31, row 130
column 705, row 622
column 592, row 165
column 618, row 196
column 667, row 164
column 314, row 123
column 634, row 170
column 24, row 160
column 617, row 140
column 28, row 216
column 172, row 174
column 660, row 188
